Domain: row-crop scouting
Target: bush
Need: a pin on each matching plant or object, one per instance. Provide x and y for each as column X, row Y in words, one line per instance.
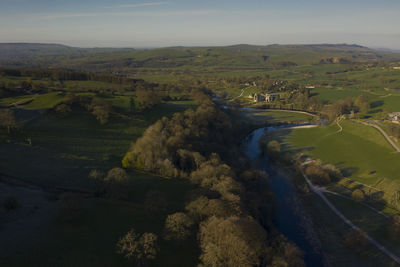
column 273, row 147
column 358, row 195
column 317, row 175
column 63, row 109
column 10, row 203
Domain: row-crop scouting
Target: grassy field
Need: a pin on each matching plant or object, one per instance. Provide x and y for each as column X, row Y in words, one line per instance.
column 90, row 239
column 76, row 143
column 360, row 151
column 63, row 152
column 276, row 116
column 331, row 231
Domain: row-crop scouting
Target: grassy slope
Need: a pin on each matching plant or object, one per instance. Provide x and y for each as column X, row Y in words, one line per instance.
column 276, row 116
column 90, row 240
column 63, row 152
column 358, row 150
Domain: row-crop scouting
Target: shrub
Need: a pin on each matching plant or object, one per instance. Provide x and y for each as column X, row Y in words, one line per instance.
column 273, row 147
column 63, row 109
column 317, row 174
column 358, row 195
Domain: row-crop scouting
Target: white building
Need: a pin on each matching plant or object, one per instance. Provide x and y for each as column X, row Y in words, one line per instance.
column 395, row 117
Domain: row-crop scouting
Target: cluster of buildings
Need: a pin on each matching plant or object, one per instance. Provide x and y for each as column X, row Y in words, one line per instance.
column 267, row 97
column 394, row 117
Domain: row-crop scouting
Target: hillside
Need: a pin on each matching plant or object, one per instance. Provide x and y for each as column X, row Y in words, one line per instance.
column 187, row 59
column 17, row 54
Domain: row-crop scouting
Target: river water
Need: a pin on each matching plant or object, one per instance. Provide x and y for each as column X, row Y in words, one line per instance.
column 286, row 218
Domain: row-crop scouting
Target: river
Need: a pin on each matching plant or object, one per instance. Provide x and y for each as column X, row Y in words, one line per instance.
column 286, row 217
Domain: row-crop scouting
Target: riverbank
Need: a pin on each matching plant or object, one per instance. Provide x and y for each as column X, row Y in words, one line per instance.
column 304, row 218
column 289, row 215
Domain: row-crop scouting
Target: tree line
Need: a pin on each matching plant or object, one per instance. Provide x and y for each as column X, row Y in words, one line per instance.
column 231, row 215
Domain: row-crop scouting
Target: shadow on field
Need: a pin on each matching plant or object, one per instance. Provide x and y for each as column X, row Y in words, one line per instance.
column 376, row 104
column 348, row 171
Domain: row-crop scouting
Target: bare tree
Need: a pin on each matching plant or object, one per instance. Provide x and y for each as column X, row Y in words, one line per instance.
column 138, row 249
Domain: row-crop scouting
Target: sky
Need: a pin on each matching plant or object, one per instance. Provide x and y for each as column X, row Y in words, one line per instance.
column 160, row 23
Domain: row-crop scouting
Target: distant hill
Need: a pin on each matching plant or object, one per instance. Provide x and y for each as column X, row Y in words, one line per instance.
column 211, row 59
column 15, row 52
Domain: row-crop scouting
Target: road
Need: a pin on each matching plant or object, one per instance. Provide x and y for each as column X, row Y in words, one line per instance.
column 317, row 191
column 382, row 132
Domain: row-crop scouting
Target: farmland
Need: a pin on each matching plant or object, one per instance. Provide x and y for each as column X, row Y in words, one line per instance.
column 77, row 111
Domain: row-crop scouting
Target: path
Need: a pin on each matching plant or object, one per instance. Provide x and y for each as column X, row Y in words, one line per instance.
column 324, row 190
column 241, row 94
column 338, row 124
column 382, row 132
column 317, row 191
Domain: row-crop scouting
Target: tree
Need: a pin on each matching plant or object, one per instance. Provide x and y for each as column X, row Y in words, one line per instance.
column 101, row 109
column 138, row 249
column 196, row 208
column 7, row 119
column 362, row 103
column 317, row 174
column 116, row 183
column 232, row 241
column 177, row 226
column 273, row 147
column 147, row 97
column 63, row 109
column 358, row 195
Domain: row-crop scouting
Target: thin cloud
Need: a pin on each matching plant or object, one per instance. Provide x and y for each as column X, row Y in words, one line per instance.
column 169, row 13
column 67, row 16
column 140, row 5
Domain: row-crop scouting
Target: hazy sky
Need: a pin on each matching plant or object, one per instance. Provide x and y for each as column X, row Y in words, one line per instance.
column 146, row 23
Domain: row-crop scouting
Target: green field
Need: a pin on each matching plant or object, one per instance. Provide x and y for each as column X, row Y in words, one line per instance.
column 276, row 116
column 64, row 150
column 360, row 151
column 90, row 240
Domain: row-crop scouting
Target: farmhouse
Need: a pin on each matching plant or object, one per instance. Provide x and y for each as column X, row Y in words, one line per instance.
column 395, row 117
column 272, row 97
column 267, row 97
column 258, row 97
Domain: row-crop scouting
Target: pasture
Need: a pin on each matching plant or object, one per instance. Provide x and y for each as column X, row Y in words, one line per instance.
column 63, row 150
column 360, row 151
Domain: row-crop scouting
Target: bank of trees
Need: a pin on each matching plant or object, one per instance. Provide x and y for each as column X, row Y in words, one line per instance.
column 226, row 213
column 172, row 147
